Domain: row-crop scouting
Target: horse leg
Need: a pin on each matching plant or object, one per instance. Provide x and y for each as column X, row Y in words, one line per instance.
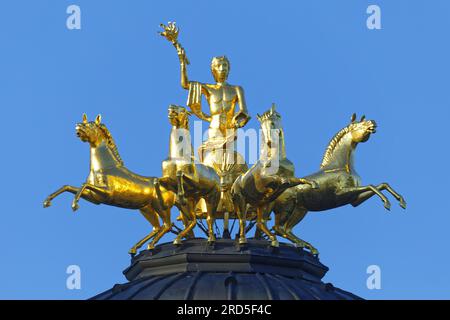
column 167, row 226
column 295, row 218
column 364, row 193
column 296, row 181
column 301, row 243
column 184, row 205
column 180, row 189
column 241, row 210
column 211, row 204
column 186, row 221
column 383, row 186
column 66, row 188
column 150, row 215
column 285, row 220
column 84, row 192
column 261, row 224
column 189, row 211
column 400, row 199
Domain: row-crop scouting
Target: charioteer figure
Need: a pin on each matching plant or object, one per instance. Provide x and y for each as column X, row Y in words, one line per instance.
column 228, row 112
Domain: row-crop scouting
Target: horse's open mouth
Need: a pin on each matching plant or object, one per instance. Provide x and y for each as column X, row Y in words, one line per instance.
column 172, row 113
column 79, row 131
column 373, row 127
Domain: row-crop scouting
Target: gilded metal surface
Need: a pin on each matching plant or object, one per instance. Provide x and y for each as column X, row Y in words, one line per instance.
column 269, row 177
column 190, row 180
column 111, row 183
column 227, row 113
column 219, row 185
column 339, row 184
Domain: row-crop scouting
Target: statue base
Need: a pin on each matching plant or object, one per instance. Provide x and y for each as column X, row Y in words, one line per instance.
column 225, row 271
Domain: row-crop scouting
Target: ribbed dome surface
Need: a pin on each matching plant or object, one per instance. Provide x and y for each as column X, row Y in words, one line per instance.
column 225, row 271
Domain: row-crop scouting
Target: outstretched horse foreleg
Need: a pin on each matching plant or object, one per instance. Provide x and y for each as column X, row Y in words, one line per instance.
column 84, row 192
column 66, row 188
column 261, row 224
column 382, row 186
column 364, row 193
column 387, row 187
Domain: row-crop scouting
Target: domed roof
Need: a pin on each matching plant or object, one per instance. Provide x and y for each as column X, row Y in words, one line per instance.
column 225, row 271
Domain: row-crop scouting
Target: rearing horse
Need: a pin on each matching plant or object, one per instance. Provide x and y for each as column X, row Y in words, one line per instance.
column 109, row 182
column 269, row 177
column 189, row 179
column 339, row 184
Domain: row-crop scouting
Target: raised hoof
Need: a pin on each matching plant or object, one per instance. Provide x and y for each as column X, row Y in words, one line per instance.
column 47, row 203
column 75, row 206
column 387, row 206
column 403, row 204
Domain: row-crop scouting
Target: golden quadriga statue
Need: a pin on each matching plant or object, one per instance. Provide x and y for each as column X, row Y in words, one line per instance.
column 219, row 184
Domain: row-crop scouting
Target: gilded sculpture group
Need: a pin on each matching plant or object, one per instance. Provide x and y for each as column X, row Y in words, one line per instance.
column 219, row 185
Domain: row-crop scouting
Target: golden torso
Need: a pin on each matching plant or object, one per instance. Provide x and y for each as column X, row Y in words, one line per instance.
column 222, row 100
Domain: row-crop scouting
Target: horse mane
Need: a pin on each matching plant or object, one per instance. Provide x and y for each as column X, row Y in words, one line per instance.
column 110, row 142
column 334, row 143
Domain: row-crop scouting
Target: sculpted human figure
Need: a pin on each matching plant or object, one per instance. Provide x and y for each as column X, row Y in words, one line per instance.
column 227, row 113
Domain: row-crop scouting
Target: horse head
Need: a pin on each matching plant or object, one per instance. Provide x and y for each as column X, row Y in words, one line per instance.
column 339, row 151
column 91, row 131
column 96, row 134
column 362, row 129
column 272, row 133
column 178, row 116
column 270, row 120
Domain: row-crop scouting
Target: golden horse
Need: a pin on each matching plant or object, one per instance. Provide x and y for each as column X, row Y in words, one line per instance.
column 189, row 179
column 339, row 184
column 111, row 183
column 269, row 177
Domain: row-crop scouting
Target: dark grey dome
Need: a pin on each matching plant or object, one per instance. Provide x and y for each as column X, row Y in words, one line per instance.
column 225, row 271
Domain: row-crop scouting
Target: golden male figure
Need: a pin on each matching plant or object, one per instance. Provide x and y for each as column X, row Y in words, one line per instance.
column 228, row 112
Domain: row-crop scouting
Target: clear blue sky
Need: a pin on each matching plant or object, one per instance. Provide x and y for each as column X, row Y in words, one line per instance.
column 315, row 59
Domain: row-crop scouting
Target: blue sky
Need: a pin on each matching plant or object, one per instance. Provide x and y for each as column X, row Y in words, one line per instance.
column 315, row 59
